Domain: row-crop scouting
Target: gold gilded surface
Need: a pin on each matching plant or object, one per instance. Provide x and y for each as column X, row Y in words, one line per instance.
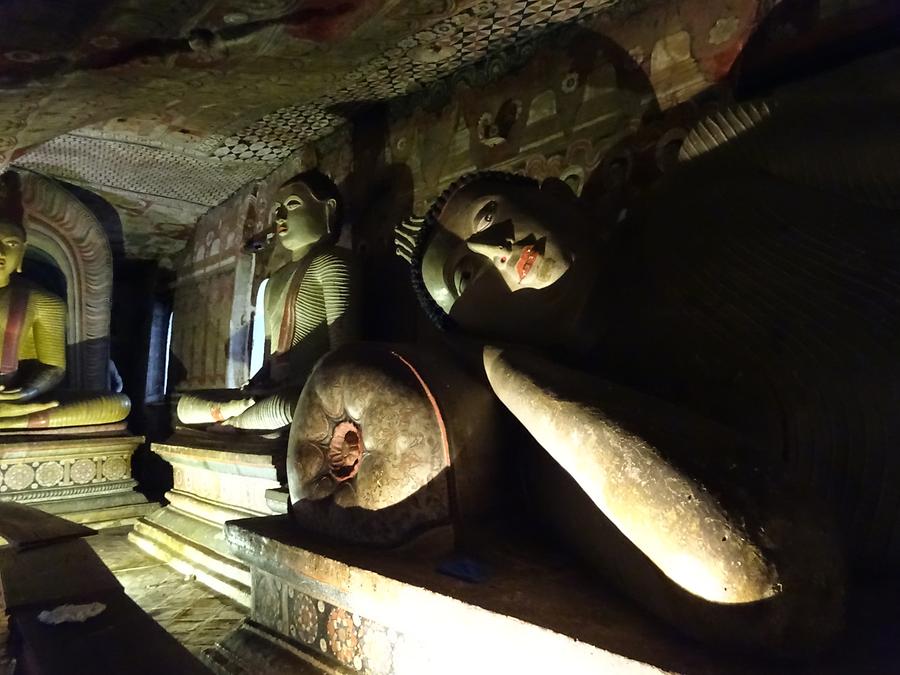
column 33, row 346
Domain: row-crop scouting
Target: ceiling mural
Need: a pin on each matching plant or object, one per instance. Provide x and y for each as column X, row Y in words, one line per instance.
column 168, row 108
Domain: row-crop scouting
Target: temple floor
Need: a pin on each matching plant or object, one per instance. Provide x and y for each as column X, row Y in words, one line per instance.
column 192, row 613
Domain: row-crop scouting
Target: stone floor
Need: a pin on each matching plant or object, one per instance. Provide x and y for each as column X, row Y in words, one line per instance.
column 192, row 613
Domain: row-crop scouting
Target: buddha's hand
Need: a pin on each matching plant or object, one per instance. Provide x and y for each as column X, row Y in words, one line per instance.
column 617, row 444
column 12, row 393
column 18, row 409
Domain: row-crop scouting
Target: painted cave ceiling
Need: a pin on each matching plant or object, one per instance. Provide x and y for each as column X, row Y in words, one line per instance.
column 167, row 108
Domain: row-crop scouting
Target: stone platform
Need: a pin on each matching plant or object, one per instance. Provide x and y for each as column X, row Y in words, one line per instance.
column 214, row 480
column 319, row 607
column 83, row 475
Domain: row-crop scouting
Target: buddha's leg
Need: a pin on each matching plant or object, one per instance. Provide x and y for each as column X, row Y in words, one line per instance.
column 198, row 409
column 97, row 410
column 726, row 554
column 273, row 412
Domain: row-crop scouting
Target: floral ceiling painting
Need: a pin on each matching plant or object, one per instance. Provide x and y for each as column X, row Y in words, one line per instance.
column 168, row 108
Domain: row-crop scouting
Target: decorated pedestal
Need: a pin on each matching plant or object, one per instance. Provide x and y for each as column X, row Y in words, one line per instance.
column 321, row 607
column 214, row 481
column 84, row 477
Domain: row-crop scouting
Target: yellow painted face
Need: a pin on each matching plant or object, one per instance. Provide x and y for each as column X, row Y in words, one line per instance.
column 298, row 217
column 12, row 250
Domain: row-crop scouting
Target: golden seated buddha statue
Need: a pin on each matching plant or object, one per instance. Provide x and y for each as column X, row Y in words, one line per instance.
column 33, row 344
column 309, row 309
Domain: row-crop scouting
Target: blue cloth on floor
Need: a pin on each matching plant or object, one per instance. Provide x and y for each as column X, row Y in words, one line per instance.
column 465, row 568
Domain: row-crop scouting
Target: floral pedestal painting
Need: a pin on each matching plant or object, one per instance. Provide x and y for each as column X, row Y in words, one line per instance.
column 84, row 479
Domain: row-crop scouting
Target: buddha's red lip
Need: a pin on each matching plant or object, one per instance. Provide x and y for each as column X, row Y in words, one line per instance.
column 281, row 229
column 526, row 261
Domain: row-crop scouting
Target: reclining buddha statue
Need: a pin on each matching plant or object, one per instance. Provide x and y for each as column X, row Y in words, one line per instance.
column 309, row 309
column 712, row 374
column 33, row 343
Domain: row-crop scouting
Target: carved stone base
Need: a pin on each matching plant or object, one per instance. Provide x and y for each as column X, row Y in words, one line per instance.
column 211, row 486
column 320, row 607
column 81, row 477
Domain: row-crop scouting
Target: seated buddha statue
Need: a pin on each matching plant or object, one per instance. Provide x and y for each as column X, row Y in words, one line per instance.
column 309, row 309
column 33, row 344
column 716, row 377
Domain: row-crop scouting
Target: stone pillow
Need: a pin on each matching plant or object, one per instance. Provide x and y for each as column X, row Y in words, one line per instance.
column 388, row 442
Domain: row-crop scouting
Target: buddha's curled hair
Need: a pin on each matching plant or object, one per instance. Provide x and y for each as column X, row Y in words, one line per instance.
column 414, row 235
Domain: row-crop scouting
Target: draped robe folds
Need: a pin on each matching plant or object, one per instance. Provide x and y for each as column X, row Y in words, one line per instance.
column 33, row 336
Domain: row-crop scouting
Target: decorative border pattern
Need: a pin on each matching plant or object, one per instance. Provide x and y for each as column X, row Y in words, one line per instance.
column 27, row 475
column 75, row 492
column 49, row 471
column 344, row 638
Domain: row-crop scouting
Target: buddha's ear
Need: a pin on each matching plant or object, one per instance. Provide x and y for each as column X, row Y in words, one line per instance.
column 330, row 211
column 21, row 259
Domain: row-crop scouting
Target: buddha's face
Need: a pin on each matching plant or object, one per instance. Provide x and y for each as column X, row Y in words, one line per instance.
column 12, row 251
column 299, row 218
column 513, row 226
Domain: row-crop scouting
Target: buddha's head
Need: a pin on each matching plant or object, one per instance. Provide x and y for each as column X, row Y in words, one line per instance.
column 487, row 221
column 305, row 210
column 12, row 233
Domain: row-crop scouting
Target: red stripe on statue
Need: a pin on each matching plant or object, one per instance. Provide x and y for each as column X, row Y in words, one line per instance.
column 288, row 318
column 15, row 319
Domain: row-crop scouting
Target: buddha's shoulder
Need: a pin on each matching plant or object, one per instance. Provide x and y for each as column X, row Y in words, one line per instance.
column 46, row 302
column 40, row 296
column 331, row 258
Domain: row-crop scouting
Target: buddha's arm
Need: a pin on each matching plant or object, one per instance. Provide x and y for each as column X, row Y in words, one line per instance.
column 336, row 276
column 607, row 438
column 200, row 409
column 41, row 375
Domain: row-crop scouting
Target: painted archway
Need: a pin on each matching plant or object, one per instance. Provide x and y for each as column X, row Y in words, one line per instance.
column 59, row 224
